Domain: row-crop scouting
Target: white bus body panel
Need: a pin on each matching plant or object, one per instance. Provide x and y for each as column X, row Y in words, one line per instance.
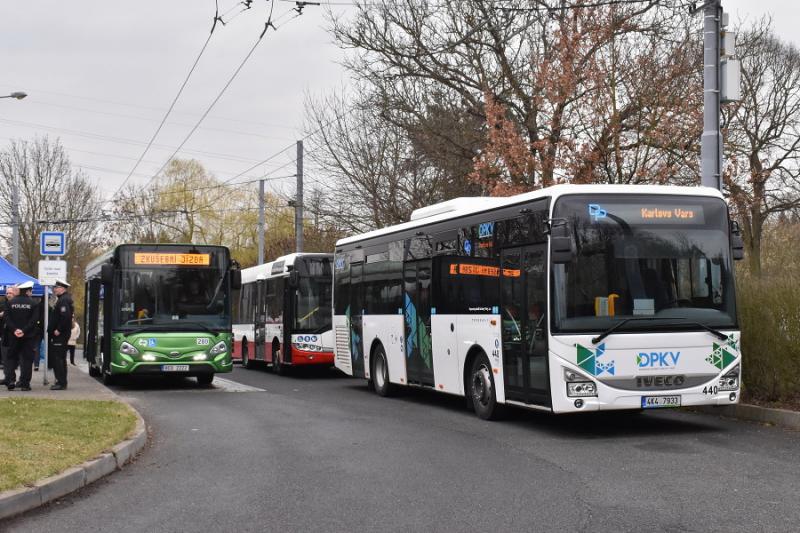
column 341, row 332
column 242, row 331
column 637, row 362
column 389, row 331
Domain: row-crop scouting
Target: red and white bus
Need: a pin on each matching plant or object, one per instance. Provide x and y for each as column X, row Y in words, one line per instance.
column 285, row 313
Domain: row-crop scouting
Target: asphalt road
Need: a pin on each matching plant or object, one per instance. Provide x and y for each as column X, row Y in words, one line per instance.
column 322, row 453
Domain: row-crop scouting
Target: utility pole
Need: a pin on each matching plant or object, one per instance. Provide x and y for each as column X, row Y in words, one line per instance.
column 15, row 223
column 720, row 85
column 261, row 208
column 298, row 208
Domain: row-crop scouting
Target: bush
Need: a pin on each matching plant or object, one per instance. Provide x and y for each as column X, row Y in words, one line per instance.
column 769, row 315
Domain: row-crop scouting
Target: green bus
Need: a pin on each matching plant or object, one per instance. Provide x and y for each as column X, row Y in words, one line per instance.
column 160, row 309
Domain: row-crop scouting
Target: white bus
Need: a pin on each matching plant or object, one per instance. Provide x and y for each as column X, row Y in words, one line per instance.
column 567, row 299
column 284, row 313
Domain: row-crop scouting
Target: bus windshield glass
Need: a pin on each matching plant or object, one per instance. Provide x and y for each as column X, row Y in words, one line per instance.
column 173, row 289
column 313, row 295
column 659, row 257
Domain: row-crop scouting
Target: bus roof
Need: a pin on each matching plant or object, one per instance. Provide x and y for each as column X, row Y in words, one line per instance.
column 460, row 207
column 280, row 266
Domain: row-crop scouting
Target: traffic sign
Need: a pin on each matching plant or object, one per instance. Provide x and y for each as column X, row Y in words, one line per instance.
column 50, row 271
column 52, row 243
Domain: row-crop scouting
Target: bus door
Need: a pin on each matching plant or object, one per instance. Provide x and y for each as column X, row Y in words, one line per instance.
column 259, row 321
column 417, row 318
column 356, row 318
column 524, row 299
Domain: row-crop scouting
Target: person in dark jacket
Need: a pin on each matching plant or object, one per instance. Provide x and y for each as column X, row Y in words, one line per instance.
column 21, row 323
column 59, row 328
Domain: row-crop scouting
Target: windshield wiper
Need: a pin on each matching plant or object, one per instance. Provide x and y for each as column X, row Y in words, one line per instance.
column 621, row 323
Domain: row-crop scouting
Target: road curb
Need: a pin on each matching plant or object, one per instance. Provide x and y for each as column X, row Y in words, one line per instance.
column 754, row 413
column 16, row 501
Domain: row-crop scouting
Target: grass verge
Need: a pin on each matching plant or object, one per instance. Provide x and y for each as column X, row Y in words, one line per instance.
column 39, row 437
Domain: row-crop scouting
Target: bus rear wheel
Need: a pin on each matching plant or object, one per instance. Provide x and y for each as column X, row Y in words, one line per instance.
column 277, row 367
column 205, row 379
column 482, row 390
column 246, row 363
column 380, row 373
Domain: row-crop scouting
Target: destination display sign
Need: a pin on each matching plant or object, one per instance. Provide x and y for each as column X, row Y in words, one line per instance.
column 677, row 213
column 160, row 258
column 466, row 269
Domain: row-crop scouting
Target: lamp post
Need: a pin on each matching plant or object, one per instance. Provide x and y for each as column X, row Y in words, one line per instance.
column 17, row 95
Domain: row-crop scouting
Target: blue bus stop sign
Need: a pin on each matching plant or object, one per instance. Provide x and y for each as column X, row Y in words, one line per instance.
column 52, row 243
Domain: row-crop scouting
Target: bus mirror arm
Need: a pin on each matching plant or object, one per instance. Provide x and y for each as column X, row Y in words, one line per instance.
column 737, row 243
column 294, row 279
column 107, row 274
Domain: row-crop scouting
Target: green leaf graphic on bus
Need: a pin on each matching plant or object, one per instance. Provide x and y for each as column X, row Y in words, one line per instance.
column 411, row 326
column 425, row 344
column 721, row 355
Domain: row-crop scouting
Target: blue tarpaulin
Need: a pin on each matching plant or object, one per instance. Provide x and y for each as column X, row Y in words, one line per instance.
column 10, row 276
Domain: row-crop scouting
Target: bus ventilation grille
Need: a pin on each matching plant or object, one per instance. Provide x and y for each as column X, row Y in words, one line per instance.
column 343, row 346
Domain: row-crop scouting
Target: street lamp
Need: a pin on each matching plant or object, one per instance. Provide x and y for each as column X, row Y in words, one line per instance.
column 19, row 95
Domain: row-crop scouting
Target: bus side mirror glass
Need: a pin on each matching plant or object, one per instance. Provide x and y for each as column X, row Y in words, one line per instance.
column 236, row 278
column 560, row 242
column 107, row 274
column 737, row 243
column 294, row 279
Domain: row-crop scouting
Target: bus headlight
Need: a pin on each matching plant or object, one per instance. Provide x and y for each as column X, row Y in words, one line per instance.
column 128, row 348
column 218, row 348
column 199, row 357
column 581, row 388
column 730, row 380
column 306, row 347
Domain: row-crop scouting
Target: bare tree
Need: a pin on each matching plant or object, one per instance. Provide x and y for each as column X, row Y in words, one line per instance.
column 763, row 136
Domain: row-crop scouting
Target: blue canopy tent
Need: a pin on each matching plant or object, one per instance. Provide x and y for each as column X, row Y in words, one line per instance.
column 10, row 276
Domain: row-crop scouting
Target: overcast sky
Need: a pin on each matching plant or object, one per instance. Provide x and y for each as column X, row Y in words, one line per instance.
column 99, row 76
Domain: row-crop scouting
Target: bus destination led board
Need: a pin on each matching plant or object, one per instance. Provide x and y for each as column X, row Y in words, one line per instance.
column 171, row 259
column 646, row 214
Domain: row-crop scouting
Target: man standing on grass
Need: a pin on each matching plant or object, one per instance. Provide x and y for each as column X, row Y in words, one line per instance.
column 59, row 328
column 21, row 323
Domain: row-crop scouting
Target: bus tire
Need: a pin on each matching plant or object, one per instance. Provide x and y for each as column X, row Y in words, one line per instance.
column 379, row 372
column 482, row 390
column 246, row 362
column 205, row 379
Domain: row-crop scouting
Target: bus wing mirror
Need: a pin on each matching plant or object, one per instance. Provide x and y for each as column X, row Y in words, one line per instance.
column 107, row 274
column 561, row 249
column 737, row 243
column 294, row 279
column 236, row 278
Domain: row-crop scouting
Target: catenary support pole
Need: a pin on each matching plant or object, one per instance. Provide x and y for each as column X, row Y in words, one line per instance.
column 298, row 208
column 261, row 208
column 711, row 142
column 15, row 223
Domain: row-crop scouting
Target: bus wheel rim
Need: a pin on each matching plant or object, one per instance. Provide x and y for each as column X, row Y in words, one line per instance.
column 482, row 385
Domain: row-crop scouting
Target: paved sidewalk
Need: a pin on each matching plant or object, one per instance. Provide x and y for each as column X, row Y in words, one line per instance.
column 79, row 386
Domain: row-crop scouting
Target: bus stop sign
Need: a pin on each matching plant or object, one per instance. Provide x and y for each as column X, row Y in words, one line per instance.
column 52, row 243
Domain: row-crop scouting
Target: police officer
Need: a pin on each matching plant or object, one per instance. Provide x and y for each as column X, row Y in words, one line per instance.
column 59, row 327
column 21, row 323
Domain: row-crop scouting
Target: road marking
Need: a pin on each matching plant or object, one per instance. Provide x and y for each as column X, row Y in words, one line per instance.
column 234, row 386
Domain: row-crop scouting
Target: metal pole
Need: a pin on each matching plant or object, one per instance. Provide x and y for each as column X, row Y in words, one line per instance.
column 46, row 306
column 15, row 223
column 711, row 142
column 298, row 209
column 261, row 208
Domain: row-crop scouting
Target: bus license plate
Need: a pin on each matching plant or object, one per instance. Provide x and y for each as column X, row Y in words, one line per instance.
column 656, row 402
column 174, row 368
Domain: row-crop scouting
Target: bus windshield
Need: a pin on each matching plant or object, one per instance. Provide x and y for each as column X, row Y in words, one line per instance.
column 170, row 295
column 661, row 257
column 313, row 295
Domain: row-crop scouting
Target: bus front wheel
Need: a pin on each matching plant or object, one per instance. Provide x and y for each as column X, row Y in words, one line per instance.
column 246, row 363
column 277, row 367
column 380, row 373
column 482, row 390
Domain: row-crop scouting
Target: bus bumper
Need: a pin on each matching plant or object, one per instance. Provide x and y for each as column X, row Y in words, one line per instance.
column 168, row 367
column 304, row 358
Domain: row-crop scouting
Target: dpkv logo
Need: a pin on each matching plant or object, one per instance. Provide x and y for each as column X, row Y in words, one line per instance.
column 597, row 212
column 657, row 359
